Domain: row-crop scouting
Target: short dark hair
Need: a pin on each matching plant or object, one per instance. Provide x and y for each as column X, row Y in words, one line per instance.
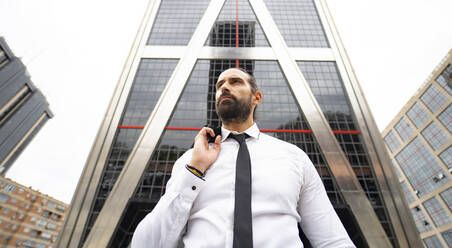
column 252, row 82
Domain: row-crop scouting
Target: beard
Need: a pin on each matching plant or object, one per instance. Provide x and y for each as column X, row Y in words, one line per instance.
column 232, row 109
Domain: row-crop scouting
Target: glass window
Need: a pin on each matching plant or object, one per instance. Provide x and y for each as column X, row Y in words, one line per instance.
column 51, row 226
column 420, row 167
column 445, row 78
column 41, row 223
column 435, row 136
column 392, row 141
column 51, row 205
column 404, row 129
column 436, row 212
column 446, row 118
column 3, row 198
column 433, row 99
column 447, row 235
column 9, row 187
column 6, row 211
column 298, row 22
column 176, row 21
column 26, row 230
column 20, row 191
column 407, row 192
column 419, row 218
column 446, row 157
column 447, row 197
column 418, row 115
column 223, row 33
column 433, row 242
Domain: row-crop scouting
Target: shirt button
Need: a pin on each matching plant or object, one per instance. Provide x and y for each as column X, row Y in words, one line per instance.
column 193, row 187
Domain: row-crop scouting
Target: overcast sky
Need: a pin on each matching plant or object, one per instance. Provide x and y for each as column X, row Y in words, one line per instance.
column 75, row 51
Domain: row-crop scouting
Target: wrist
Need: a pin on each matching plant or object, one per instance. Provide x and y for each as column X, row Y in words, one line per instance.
column 195, row 171
column 198, row 167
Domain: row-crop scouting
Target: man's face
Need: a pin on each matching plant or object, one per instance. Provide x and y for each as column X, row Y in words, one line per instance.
column 233, row 98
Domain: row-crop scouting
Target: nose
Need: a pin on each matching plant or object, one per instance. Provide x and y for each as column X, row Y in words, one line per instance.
column 225, row 87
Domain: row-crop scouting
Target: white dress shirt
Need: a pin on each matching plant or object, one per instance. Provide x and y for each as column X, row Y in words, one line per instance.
column 286, row 190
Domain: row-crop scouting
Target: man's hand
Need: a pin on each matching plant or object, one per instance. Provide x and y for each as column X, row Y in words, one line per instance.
column 203, row 156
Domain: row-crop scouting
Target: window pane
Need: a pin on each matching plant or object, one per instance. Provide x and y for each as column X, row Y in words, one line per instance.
column 298, row 22
column 420, row 167
column 433, row 99
column 435, row 136
column 447, row 197
column 404, row 129
column 420, row 220
column 392, row 141
column 433, row 242
column 176, row 21
column 418, row 115
column 436, row 212
column 446, row 118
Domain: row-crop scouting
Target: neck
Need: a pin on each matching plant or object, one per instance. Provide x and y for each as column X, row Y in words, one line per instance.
column 238, row 127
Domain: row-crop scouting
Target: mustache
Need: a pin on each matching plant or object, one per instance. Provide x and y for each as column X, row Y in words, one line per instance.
column 227, row 94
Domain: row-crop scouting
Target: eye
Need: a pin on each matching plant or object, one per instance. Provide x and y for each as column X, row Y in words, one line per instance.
column 219, row 84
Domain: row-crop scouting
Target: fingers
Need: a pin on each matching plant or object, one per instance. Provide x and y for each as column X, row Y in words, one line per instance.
column 217, row 143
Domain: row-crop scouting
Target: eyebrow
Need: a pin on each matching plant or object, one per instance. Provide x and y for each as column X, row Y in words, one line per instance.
column 232, row 78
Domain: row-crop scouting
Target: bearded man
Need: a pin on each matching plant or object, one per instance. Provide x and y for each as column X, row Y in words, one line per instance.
column 247, row 189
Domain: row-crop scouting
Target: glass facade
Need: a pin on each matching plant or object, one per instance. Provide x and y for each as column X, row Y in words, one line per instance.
column 447, row 235
column 176, row 21
column 150, row 79
column 446, row 157
column 436, row 212
column 225, row 34
column 433, row 242
column 419, row 218
column 404, row 129
column 392, row 141
column 446, row 118
column 433, row 99
column 3, row 58
column 420, row 167
column 435, row 136
column 445, row 78
column 418, row 115
column 447, row 197
column 298, row 22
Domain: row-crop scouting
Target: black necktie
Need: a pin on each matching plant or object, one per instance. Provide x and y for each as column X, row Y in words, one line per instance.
column 243, row 223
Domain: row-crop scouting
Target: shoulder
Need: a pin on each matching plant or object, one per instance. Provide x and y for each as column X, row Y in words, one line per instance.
column 281, row 145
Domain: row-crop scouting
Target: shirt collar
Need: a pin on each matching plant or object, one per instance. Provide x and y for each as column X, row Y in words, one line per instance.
column 252, row 131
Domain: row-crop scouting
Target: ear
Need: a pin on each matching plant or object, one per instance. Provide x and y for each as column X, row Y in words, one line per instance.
column 257, row 97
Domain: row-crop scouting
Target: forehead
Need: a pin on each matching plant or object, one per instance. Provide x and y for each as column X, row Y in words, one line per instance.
column 233, row 73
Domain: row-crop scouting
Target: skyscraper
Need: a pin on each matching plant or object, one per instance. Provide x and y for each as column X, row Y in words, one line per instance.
column 165, row 95
column 419, row 140
column 23, row 108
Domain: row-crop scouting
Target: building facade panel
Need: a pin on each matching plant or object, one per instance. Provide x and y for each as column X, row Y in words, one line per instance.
column 298, row 22
column 22, row 107
column 176, row 21
column 445, row 118
column 404, row 129
column 425, row 155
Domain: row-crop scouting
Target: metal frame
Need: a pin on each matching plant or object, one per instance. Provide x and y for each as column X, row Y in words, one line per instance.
column 125, row 185
column 403, row 224
column 255, row 53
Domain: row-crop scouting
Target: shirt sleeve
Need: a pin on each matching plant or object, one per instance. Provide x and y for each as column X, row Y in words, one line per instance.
column 164, row 225
column 319, row 220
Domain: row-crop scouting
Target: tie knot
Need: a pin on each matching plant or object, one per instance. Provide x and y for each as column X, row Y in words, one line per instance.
column 239, row 137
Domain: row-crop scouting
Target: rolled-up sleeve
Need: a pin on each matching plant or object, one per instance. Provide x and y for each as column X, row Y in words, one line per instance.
column 164, row 225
